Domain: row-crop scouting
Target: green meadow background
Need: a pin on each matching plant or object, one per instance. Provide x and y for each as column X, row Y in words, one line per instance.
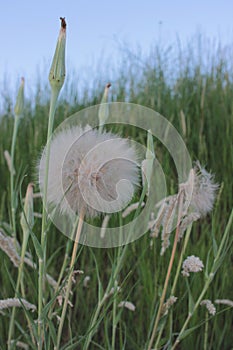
column 192, row 87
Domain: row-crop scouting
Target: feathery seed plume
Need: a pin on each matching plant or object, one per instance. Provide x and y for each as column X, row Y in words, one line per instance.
column 86, row 171
column 199, row 196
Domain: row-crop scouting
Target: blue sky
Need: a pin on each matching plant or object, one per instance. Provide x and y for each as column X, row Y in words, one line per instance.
column 30, row 28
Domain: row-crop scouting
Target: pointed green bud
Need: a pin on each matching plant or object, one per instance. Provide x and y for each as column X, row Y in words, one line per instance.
column 147, row 164
column 57, row 71
column 27, row 217
column 150, row 153
column 20, row 99
column 103, row 109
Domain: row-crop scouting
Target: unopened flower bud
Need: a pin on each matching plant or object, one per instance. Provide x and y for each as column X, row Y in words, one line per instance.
column 103, row 109
column 147, row 164
column 20, row 99
column 27, row 217
column 57, row 71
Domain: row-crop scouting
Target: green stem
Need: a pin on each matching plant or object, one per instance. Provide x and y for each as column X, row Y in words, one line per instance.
column 19, row 281
column 69, row 283
column 12, row 187
column 158, row 316
column 187, row 236
column 206, row 331
column 53, row 103
column 64, row 265
column 114, row 323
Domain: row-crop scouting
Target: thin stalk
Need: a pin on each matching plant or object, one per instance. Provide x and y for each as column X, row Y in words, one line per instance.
column 180, row 199
column 64, row 265
column 187, row 236
column 206, row 331
column 28, row 319
column 114, row 323
column 12, row 188
column 53, row 103
column 19, row 281
column 159, row 337
column 69, row 283
column 93, row 322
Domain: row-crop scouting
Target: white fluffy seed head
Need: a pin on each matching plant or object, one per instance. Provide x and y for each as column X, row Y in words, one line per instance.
column 89, row 170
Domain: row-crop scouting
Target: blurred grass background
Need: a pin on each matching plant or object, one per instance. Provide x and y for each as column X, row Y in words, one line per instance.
column 192, row 87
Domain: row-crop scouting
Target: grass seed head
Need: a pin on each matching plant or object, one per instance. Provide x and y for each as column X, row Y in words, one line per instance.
column 192, row 264
column 19, row 105
column 209, row 306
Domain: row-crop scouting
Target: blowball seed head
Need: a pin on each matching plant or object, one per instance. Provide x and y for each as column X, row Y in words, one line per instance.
column 19, row 106
column 58, row 70
column 89, row 170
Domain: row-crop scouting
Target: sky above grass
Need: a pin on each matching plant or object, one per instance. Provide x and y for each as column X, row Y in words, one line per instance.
column 30, row 29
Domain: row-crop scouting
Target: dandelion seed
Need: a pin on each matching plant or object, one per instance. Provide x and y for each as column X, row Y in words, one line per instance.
column 89, row 170
column 15, row 302
column 209, row 305
column 191, row 264
column 224, row 302
column 128, row 305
